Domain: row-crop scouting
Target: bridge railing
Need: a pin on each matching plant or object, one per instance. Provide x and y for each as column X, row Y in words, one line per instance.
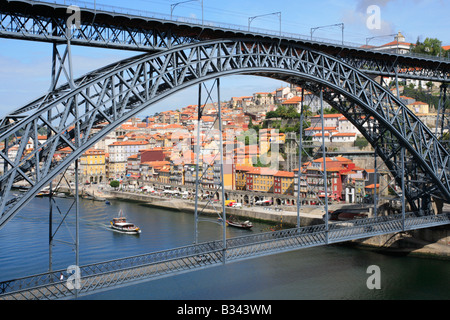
column 113, row 273
column 204, row 253
column 222, row 25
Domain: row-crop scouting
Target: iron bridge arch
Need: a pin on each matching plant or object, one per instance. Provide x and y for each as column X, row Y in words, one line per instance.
column 119, row 91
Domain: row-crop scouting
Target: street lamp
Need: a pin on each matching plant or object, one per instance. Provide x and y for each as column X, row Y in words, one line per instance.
column 331, row 25
column 388, row 35
column 172, row 7
column 263, row 15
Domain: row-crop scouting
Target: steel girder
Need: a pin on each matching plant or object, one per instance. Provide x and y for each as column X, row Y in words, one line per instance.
column 401, row 68
column 107, row 97
column 419, row 188
column 47, row 22
column 105, row 275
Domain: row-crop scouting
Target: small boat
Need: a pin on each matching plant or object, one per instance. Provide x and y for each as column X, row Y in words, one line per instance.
column 120, row 224
column 237, row 224
column 95, row 198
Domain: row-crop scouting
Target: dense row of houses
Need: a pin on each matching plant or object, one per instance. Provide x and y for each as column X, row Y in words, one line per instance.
column 162, row 149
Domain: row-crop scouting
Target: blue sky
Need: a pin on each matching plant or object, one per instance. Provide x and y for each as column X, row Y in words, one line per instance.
column 25, row 66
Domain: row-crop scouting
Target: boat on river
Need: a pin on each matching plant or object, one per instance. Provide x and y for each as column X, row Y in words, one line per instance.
column 238, row 224
column 120, row 224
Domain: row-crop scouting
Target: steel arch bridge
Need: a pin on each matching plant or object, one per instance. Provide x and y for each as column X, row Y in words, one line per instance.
column 115, row 93
column 179, row 56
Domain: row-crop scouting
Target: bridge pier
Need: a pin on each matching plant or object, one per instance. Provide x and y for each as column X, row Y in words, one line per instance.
column 437, row 205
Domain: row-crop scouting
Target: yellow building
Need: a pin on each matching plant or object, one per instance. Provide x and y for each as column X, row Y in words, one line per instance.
column 284, row 182
column 241, row 176
column 164, row 174
column 261, row 179
column 93, row 166
column 419, row 107
column 268, row 137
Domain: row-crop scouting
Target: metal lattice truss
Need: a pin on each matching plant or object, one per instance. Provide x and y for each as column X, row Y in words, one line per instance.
column 48, row 22
column 400, row 68
column 116, row 273
column 400, row 139
column 111, row 95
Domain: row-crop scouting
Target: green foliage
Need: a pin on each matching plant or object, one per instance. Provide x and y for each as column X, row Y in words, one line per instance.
column 283, row 113
column 329, row 111
column 430, row 46
column 114, row 184
column 361, row 143
column 259, row 163
column 420, row 95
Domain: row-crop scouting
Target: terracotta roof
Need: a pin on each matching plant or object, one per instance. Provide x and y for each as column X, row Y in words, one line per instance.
column 285, row 174
column 344, row 134
column 395, row 42
column 128, row 143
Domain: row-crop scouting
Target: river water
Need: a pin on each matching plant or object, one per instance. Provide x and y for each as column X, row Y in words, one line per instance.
column 327, row 272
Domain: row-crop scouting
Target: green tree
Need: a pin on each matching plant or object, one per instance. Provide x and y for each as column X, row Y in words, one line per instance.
column 114, row 184
column 430, row 46
column 281, row 112
column 361, row 143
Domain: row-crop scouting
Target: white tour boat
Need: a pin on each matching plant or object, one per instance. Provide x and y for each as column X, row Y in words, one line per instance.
column 120, row 224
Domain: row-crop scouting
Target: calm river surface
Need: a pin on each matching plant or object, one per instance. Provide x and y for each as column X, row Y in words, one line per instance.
column 332, row 272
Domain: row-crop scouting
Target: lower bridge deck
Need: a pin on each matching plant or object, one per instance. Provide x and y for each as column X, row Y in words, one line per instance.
column 131, row 270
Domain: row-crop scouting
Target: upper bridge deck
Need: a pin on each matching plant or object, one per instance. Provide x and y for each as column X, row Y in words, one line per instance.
column 125, row 29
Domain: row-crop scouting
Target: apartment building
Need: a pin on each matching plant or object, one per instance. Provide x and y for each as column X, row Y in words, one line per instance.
column 283, row 182
column 261, row 179
column 119, row 152
column 93, row 166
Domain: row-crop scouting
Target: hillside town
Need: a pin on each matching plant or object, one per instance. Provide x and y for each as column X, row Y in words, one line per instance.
column 260, row 134
column 158, row 152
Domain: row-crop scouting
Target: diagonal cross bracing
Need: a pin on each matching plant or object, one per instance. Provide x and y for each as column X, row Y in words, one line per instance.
column 119, row 91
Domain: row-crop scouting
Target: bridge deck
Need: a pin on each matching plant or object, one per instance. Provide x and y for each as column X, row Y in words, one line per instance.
column 121, row 28
column 112, row 274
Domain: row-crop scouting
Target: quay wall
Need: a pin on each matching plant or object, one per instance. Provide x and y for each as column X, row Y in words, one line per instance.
column 430, row 242
column 307, row 216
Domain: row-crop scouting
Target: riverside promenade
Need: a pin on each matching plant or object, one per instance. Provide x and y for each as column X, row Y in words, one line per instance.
column 429, row 243
column 309, row 215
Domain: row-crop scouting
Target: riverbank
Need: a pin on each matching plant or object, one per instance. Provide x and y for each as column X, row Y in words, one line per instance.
column 429, row 243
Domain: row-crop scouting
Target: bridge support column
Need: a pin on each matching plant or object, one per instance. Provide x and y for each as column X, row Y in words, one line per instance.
column 403, row 187
column 62, row 64
column 325, row 179
column 442, row 119
column 300, row 149
column 221, row 146
column 437, row 205
column 210, row 136
column 375, row 189
column 53, row 204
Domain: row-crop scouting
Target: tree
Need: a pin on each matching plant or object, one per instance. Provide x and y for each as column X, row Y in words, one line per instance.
column 430, row 46
column 114, row 184
column 361, row 142
column 329, row 111
column 250, row 123
column 281, row 112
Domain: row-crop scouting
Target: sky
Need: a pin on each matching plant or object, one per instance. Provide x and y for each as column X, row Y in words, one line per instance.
column 25, row 66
